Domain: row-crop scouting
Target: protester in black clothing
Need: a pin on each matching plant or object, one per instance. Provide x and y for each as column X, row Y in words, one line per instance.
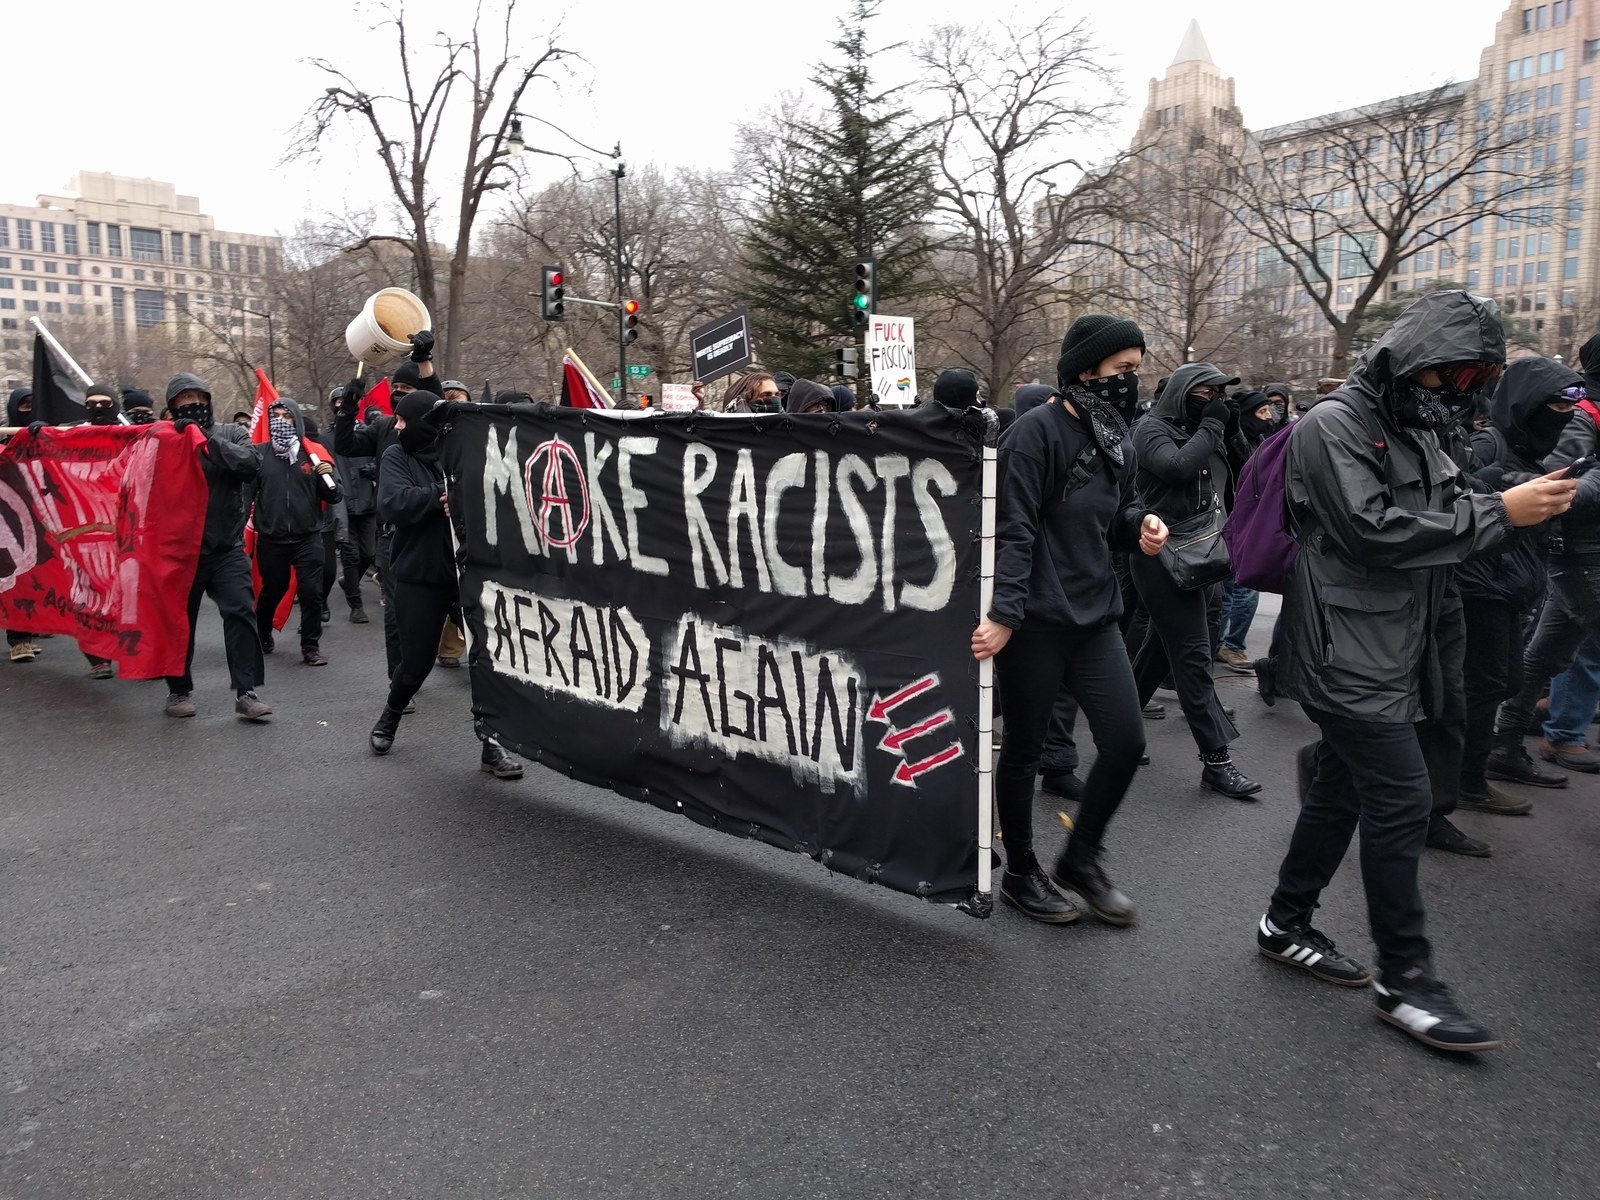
column 1571, row 613
column 1381, row 515
column 290, row 494
column 19, row 415
column 1530, row 411
column 230, row 464
column 1184, row 472
column 138, row 407
column 412, row 500
column 843, row 397
column 335, row 528
column 370, row 440
column 100, row 404
column 1066, row 501
column 358, row 480
column 808, row 397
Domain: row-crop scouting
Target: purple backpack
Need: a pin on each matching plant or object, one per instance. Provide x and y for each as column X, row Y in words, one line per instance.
column 1260, row 545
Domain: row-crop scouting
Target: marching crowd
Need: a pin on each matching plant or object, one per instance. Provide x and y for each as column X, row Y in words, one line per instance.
column 1447, row 580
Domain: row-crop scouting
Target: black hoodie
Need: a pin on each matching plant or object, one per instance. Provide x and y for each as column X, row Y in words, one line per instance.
column 1182, row 464
column 1054, row 540
column 230, row 464
column 290, row 495
column 409, row 487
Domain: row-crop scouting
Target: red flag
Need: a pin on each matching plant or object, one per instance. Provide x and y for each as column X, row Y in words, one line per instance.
column 578, row 390
column 266, row 395
column 99, row 538
column 379, row 397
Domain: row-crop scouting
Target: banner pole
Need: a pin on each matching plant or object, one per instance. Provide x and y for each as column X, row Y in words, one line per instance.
column 60, row 351
column 990, row 491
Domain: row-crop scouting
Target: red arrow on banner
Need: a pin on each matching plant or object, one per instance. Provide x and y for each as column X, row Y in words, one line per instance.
column 881, row 707
column 896, row 739
column 907, row 772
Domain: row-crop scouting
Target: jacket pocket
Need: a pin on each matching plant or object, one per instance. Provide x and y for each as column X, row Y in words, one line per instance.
column 1370, row 634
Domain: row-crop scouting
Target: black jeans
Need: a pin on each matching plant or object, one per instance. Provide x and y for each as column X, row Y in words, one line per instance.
column 274, row 560
column 15, row 637
column 1179, row 641
column 1495, row 645
column 420, row 613
column 330, row 564
column 1060, row 752
column 224, row 575
column 1571, row 617
column 391, row 625
column 1372, row 774
column 1032, row 670
column 359, row 553
column 1443, row 735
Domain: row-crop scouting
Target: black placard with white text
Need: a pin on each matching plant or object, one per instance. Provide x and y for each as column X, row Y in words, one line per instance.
column 762, row 622
column 721, row 347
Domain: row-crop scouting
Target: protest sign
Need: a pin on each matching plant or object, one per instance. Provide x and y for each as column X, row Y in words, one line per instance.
column 721, row 347
column 678, row 397
column 892, row 359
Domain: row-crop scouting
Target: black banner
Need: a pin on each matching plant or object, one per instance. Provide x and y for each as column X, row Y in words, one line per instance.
column 763, row 623
column 721, row 347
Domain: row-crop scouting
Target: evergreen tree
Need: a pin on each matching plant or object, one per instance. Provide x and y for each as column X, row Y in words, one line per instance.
column 852, row 182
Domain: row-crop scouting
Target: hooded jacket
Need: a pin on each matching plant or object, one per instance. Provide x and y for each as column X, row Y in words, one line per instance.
column 1054, row 536
column 409, row 487
column 803, row 393
column 1502, row 458
column 1380, row 528
column 1574, row 536
column 358, row 440
column 1182, row 466
column 290, row 495
column 14, row 405
column 231, row 466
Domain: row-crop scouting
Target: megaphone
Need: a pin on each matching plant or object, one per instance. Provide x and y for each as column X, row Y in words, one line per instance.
column 385, row 323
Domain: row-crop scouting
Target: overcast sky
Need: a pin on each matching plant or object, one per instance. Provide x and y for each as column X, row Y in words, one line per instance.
column 205, row 95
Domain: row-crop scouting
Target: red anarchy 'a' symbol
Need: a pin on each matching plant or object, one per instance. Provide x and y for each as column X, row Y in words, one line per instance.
column 549, row 462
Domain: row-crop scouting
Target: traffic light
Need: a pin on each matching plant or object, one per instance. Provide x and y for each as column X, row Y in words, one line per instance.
column 630, row 321
column 844, row 363
column 866, row 293
column 552, row 294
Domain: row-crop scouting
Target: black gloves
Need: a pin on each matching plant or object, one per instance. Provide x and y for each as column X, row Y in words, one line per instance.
column 368, row 471
column 35, row 427
column 183, row 423
column 422, row 346
column 1217, row 410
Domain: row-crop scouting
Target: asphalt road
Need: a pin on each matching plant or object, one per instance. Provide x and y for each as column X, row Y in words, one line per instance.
column 243, row 962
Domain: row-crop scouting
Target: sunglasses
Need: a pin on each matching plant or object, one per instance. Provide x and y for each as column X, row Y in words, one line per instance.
column 1467, row 379
column 1575, row 394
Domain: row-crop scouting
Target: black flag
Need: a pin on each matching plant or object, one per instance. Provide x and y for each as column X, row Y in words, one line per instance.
column 57, row 396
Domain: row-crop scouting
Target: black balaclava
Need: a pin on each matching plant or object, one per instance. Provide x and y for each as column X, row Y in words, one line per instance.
column 104, row 413
column 419, row 436
column 1541, row 431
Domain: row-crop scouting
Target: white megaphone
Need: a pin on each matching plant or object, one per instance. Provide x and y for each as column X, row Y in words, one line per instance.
column 385, row 323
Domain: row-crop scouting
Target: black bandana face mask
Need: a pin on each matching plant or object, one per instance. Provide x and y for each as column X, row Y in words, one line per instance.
column 141, row 416
column 1121, row 392
column 1417, row 407
column 199, row 413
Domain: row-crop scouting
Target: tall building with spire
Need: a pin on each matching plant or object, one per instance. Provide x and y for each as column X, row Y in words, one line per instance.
column 1493, row 173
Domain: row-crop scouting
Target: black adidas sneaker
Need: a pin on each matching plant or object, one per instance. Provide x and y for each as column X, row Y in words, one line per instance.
column 1312, row 951
column 1426, row 1009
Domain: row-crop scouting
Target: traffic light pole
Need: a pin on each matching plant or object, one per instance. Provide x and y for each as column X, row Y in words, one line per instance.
column 622, row 319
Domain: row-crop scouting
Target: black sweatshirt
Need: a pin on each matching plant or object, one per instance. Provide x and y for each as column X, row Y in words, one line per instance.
column 1053, row 552
column 408, row 499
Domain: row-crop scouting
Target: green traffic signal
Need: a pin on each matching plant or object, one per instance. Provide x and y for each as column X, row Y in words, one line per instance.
column 862, row 301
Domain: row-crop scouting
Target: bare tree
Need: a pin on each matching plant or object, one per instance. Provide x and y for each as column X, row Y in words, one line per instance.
column 1347, row 202
column 1012, row 97
column 476, row 85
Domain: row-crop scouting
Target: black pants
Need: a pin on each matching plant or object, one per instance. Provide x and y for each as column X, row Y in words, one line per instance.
column 1032, row 670
column 391, row 626
column 1370, row 774
column 1179, row 641
column 1571, row 617
column 224, row 575
column 421, row 612
column 330, row 564
column 1443, row 736
column 1060, row 752
column 359, row 554
column 15, row 637
column 1496, row 643
column 274, row 560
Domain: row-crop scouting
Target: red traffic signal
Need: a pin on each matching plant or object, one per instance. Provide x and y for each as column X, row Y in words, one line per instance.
column 552, row 293
column 557, row 278
column 630, row 321
column 631, row 307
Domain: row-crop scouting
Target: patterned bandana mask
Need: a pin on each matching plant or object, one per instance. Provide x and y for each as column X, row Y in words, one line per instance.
column 281, row 431
column 1106, row 402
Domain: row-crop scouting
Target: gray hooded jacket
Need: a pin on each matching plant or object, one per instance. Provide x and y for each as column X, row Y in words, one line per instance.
column 1183, row 466
column 1381, row 526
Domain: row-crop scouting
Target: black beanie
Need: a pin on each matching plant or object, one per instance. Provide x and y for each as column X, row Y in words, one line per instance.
column 956, row 389
column 1091, row 340
column 408, row 373
column 101, row 389
column 136, row 398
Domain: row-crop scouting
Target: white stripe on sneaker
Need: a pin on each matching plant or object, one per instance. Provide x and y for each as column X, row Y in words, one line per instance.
column 1313, row 960
column 1301, row 953
column 1414, row 1018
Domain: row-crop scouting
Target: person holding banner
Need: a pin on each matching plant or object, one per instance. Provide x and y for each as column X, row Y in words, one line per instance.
column 223, row 572
column 422, row 565
column 1067, row 501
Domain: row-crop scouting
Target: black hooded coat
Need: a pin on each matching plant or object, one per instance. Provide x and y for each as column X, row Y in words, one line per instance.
column 231, row 466
column 290, row 494
column 410, row 484
column 1182, row 465
column 1380, row 527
